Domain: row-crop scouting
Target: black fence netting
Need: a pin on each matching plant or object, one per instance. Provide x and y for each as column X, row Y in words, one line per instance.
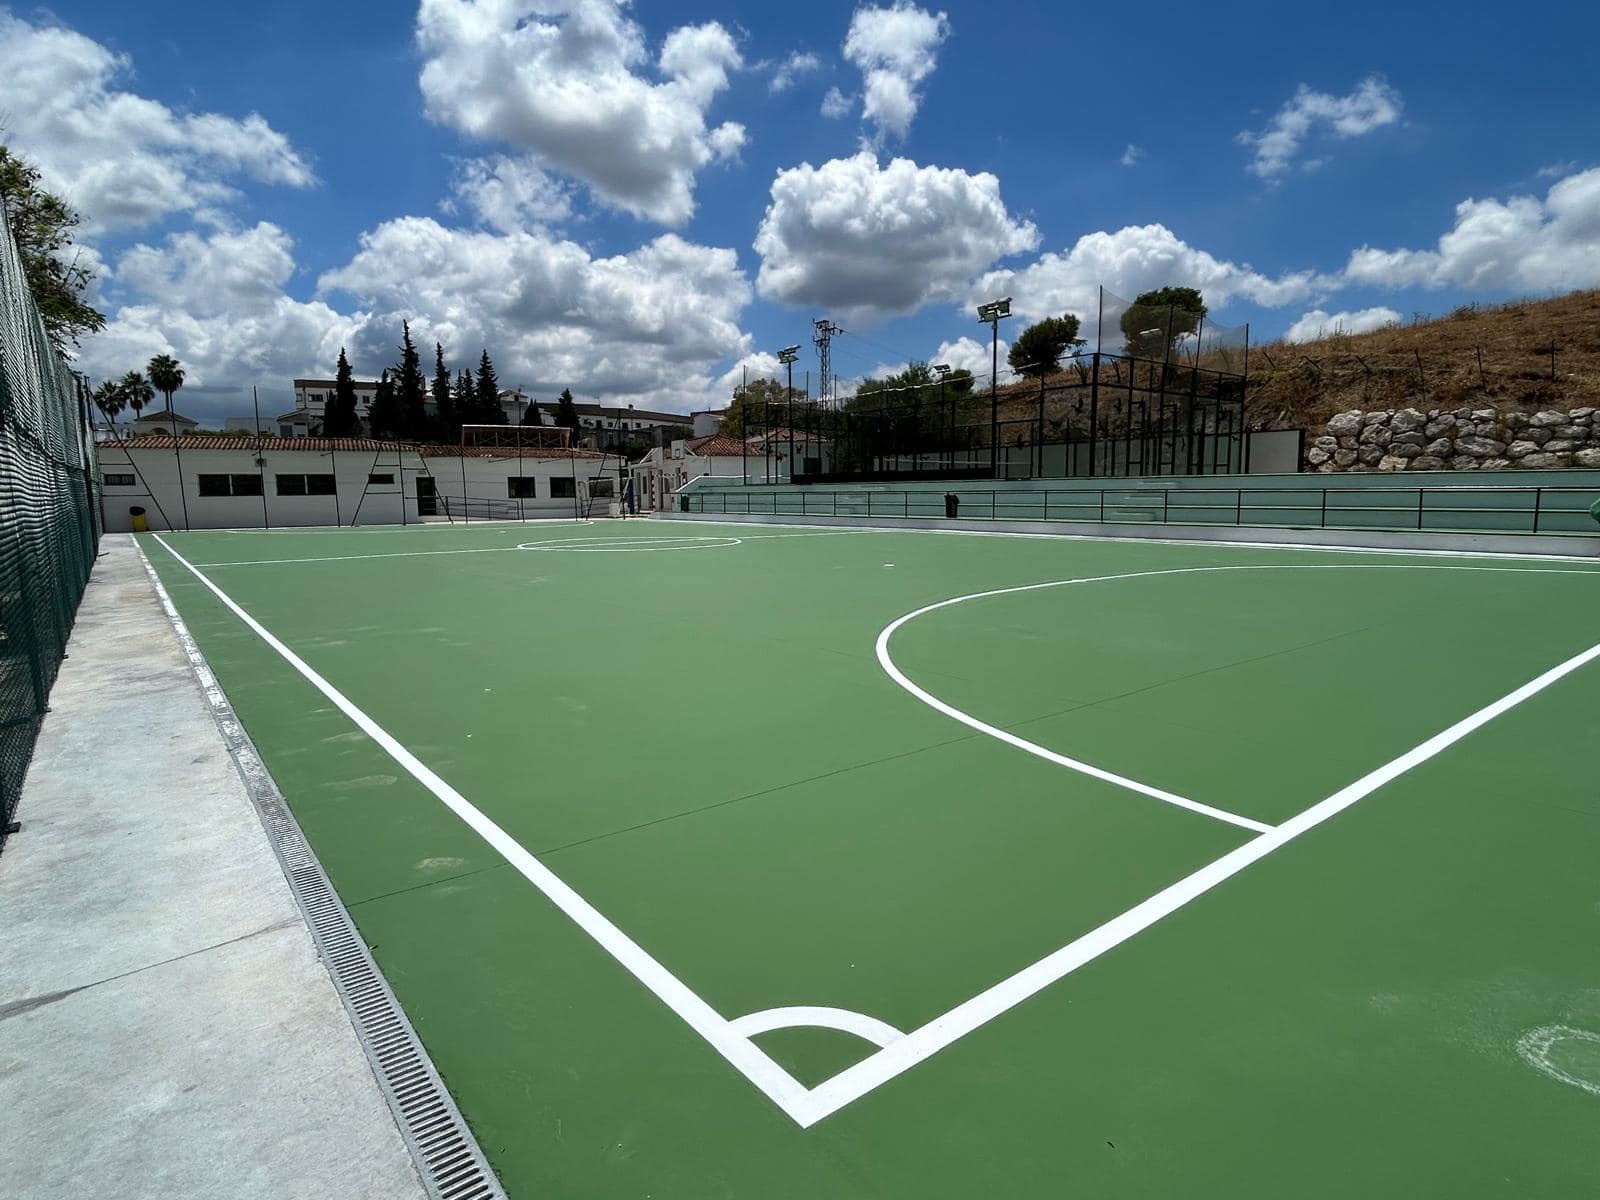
column 49, row 520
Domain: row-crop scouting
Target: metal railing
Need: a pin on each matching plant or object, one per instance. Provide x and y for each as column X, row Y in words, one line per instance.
column 1491, row 508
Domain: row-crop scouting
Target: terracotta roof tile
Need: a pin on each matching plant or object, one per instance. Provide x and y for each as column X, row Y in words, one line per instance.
column 321, row 445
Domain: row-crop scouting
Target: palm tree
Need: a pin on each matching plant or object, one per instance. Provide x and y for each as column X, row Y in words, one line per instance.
column 136, row 392
column 109, row 400
column 166, row 376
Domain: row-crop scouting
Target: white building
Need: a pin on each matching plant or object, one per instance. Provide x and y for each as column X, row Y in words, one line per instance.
column 708, row 421
column 208, row 481
column 666, row 469
column 606, row 420
column 312, row 396
column 163, row 421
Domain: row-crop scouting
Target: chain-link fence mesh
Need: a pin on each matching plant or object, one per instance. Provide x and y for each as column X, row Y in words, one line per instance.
column 49, row 519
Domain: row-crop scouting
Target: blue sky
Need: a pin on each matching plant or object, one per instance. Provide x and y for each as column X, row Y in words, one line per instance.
column 637, row 201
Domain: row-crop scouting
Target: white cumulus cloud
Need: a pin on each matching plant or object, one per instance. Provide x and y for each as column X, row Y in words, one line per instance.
column 646, row 326
column 860, row 239
column 1371, row 105
column 508, row 193
column 118, row 158
column 1522, row 243
column 1128, row 261
column 569, row 81
column 836, row 104
column 217, row 302
column 1318, row 324
column 896, row 49
column 799, row 62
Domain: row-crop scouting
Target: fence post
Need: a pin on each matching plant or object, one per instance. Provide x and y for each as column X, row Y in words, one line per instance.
column 869, row 504
column 905, row 498
column 1102, row 506
column 1421, row 492
column 1538, row 503
column 1166, row 496
column 1324, row 508
column 1238, row 507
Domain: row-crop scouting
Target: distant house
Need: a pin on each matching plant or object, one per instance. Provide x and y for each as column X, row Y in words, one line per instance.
column 297, row 422
column 665, row 469
column 312, row 397
column 166, row 421
column 707, row 421
column 609, row 423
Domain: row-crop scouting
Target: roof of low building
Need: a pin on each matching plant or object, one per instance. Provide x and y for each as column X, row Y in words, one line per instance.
column 716, row 445
column 626, row 413
column 165, row 414
column 328, row 383
column 249, row 443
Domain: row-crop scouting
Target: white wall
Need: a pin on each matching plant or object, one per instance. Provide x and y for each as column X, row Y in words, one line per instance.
column 155, row 488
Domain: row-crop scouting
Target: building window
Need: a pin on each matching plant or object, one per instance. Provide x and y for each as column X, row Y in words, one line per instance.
column 117, row 480
column 230, row 485
column 381, row 479
column 306, row 485
column 521, row 487
column 563, row 487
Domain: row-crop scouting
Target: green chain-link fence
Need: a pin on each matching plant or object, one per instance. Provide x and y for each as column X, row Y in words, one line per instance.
column 49, row 520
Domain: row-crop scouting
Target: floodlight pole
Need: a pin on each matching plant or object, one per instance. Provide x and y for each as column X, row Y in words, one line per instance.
column 992, row 314
column 787, row 356
column 943, row 371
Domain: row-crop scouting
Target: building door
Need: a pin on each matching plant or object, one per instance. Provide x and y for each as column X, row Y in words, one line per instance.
column 427, row 497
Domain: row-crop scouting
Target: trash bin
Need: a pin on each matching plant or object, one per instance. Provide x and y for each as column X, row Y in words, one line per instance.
column 137, row 518
column 952, row 502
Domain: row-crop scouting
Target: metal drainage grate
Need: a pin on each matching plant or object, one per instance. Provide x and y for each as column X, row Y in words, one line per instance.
column 445, row 1153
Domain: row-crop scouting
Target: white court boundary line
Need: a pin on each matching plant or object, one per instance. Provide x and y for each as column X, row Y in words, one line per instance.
column 1191, row 543
column 808, row 1106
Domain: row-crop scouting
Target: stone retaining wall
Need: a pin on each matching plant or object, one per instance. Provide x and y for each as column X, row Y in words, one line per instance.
column 1478, row 439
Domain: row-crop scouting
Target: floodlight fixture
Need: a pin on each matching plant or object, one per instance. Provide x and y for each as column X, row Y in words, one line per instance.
column 788, row 354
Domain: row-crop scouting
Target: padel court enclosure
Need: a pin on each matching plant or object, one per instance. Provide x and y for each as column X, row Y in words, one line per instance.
column 724, row 860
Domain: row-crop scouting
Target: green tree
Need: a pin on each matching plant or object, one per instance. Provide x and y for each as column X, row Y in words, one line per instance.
column 747, row 413
column 410, row 388
column 339, row 415
column 464, row 395
column 383, row 418
column 165, row 375
column 42, row 226
column 136, row 392
column 444, row 401
column 533, row 416
column 1038, row 348
column 487, row 410
column 1157, row 319
column 567, row 411
column 108, row 399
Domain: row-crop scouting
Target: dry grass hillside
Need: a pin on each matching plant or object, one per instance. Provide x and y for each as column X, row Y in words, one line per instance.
column 1524, row 355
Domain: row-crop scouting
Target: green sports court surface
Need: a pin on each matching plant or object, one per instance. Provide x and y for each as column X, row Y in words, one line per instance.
column 768, row 861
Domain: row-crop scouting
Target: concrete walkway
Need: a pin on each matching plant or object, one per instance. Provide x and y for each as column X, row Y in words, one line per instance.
column 166, row 1027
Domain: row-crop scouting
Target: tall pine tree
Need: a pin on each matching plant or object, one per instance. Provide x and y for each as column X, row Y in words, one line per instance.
column 339, row 416
column 464, row 396
column 444, row 403
column 383, row 419
column 409, row 390
column 566, row 411
column 487, row 411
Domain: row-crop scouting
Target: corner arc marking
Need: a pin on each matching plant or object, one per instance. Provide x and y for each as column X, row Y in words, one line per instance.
column 879, row 1033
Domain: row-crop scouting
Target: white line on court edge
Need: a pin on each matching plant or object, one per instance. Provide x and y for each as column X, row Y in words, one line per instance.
column 1192, row 543
column 807, row 1107
column 781, row 1087
column 587, row 545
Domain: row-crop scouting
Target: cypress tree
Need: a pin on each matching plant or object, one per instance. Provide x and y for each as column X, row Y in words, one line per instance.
column 339, row 416
column 412, row 417
column 487, row 411
column 566, row 411
column 444, row 403
column 384, row 416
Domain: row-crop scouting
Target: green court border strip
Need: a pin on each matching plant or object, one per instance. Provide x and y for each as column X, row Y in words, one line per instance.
column 446, row 1156
column 807, row 1106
